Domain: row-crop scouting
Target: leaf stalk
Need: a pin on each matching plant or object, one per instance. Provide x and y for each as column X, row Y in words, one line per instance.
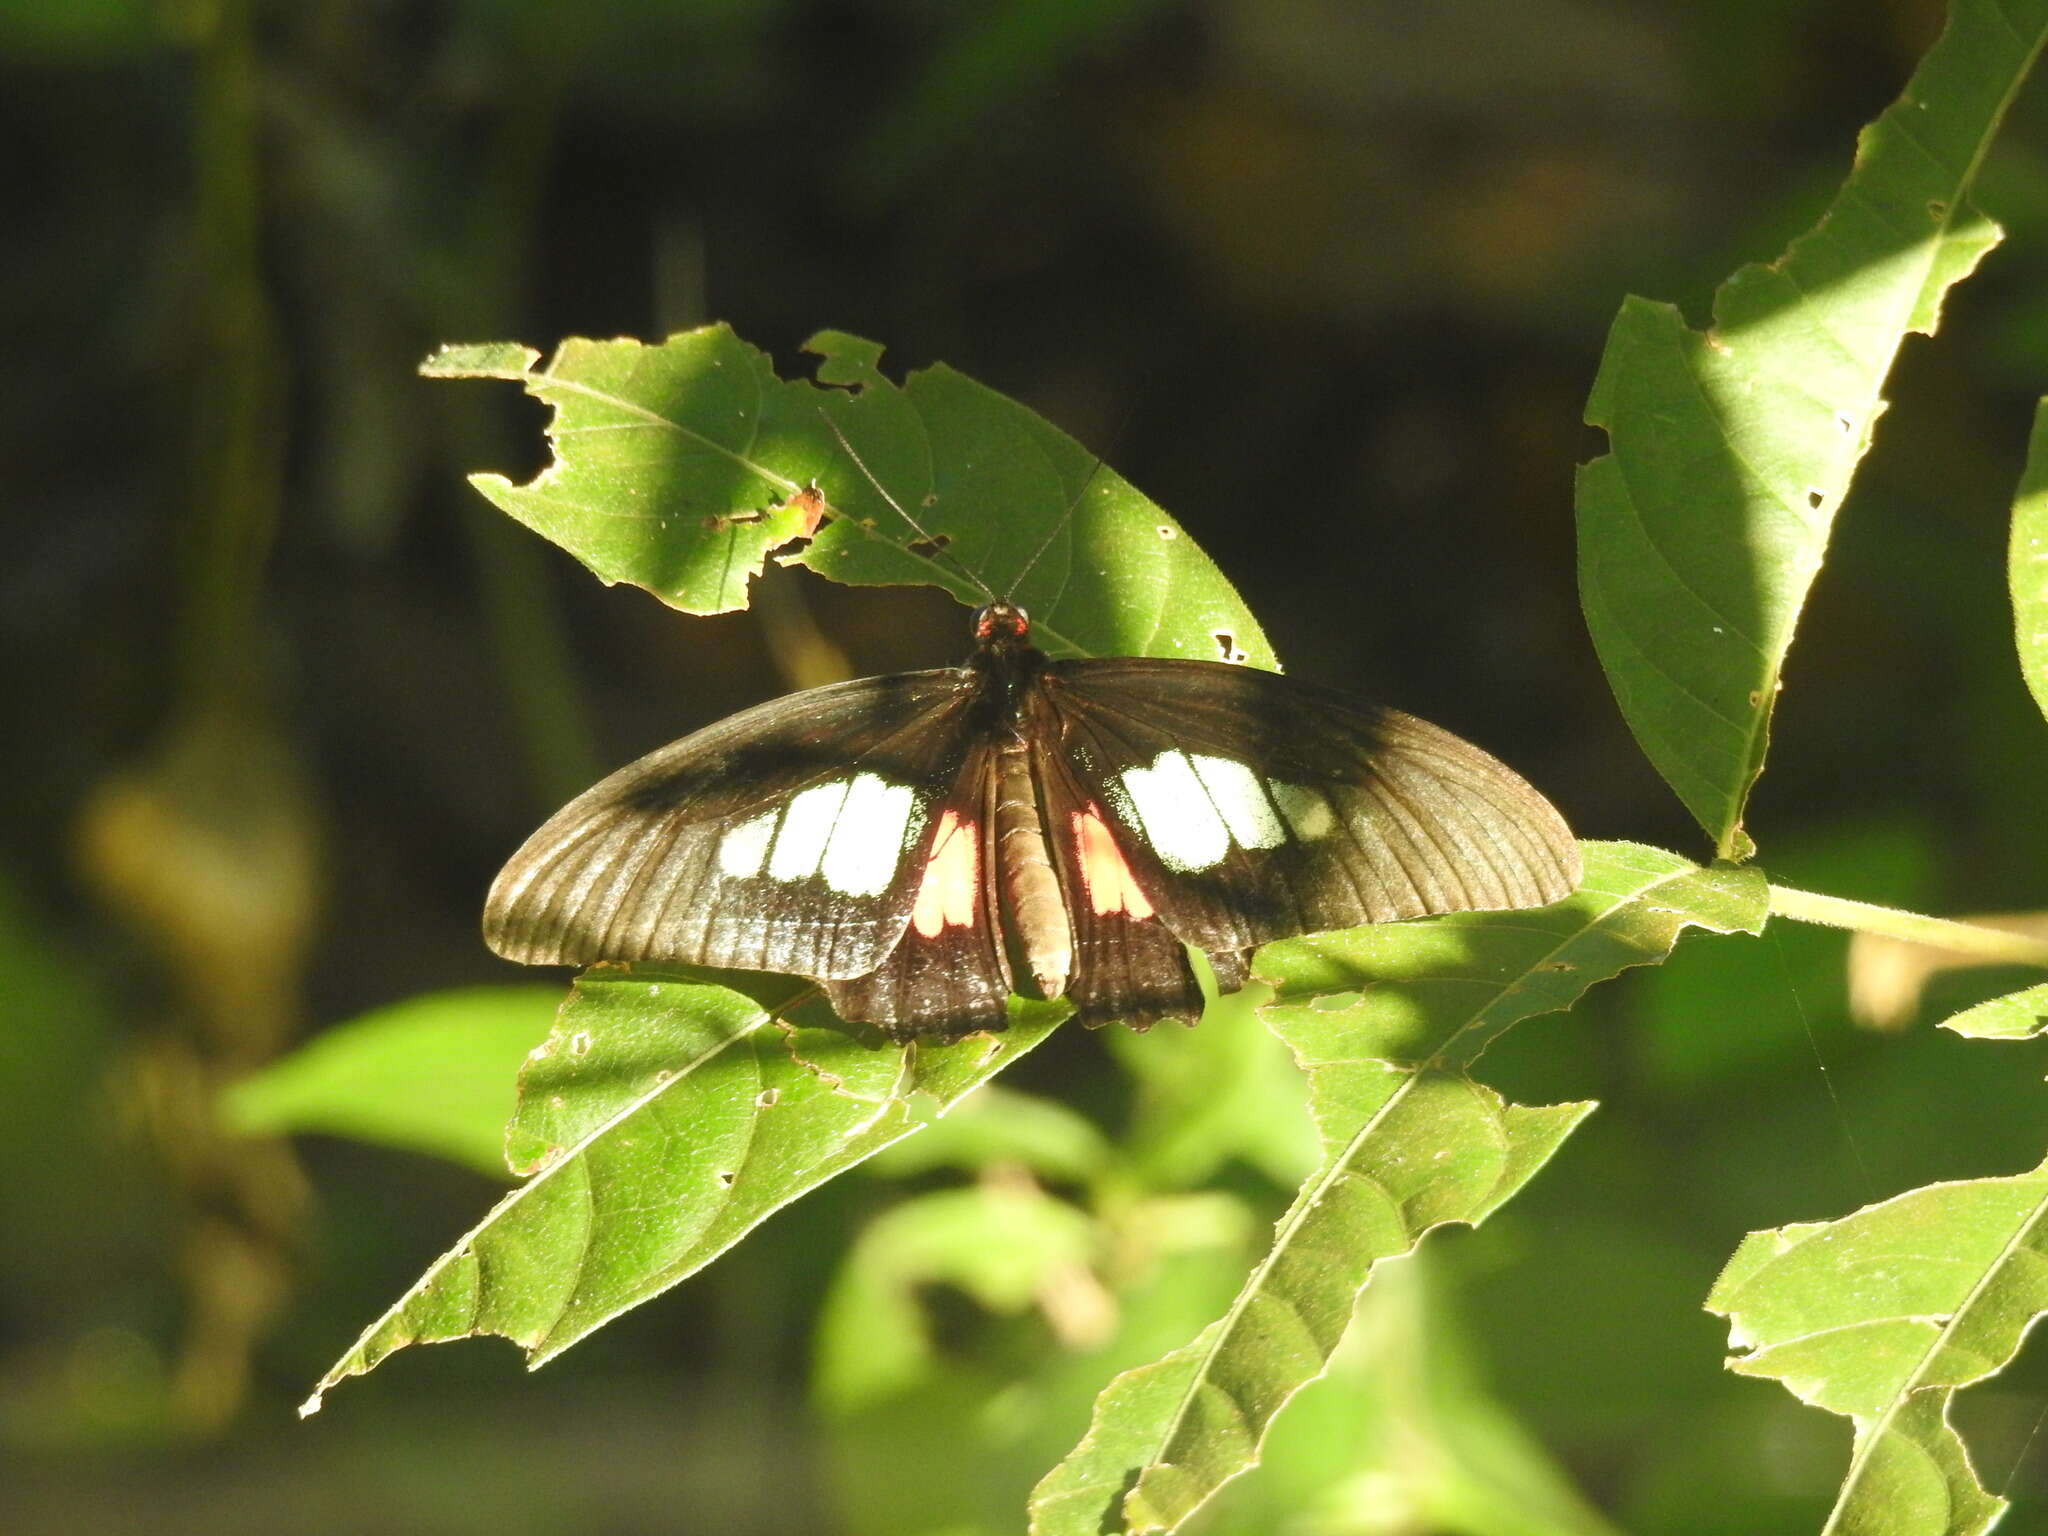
column 1993, row 945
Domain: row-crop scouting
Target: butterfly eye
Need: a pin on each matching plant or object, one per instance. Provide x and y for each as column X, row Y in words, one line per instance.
column 1001, row 621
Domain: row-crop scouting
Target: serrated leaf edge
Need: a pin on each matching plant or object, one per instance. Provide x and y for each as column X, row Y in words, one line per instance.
column 1871, row 1433
column 1207, row 1344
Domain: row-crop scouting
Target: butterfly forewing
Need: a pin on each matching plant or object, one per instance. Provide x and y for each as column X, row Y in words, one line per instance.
column 790, row 837
column 948, row 973
column 1252, row 807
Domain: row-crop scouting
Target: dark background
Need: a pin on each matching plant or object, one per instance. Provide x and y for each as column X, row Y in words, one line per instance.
column 1328, row 280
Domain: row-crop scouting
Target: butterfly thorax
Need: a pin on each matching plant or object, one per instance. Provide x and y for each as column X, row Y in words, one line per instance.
column 1008, row 665
column 1006, row 662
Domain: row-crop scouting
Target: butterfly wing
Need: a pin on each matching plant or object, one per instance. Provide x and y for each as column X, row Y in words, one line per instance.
column 1128, row 964
column 790, row 837
column 1252, row 807
column 948, row 974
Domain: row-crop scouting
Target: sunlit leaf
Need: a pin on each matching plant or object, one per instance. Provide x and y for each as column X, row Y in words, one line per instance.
column 2027, row 563
column 1384, row 1020
column 1402, row 1434
column 1881, row 1316
column 680, row 467
column 1731, row 449
column 661, row 1122
column 431, row 1074
column 2016, row 1016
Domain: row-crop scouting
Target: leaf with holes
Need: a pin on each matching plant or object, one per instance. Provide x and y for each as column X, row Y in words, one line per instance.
column 1882, row 1316
column 661, row 1122
column 681, row 466
column 1384, row 1020
column 1702, row 528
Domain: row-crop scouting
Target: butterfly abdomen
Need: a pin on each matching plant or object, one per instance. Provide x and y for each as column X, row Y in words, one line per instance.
column 1031, row 890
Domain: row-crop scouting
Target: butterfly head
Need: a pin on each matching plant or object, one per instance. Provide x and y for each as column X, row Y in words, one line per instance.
column 1002, row 624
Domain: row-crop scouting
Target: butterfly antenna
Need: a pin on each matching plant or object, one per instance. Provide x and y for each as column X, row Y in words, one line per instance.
column 1100, row 464
column 938, row 545
column 1058, row 528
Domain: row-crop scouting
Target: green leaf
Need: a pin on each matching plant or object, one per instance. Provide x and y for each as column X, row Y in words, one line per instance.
column 676, row 466
column 1383, row 1019
column 1882, row 1316
column 958, row 1452
column 2027, row 564
column 2016, row 1016
column 432, row 1074
column 1702, row 529
column 1401, row 1434
column 1205, row 1096
column 1005, row 1244
column 994, row 1126
column 662, row 1121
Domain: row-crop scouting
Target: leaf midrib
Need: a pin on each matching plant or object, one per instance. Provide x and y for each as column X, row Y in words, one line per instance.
column 1312, row 1195
column 1867, row 1443
column 464, row 1246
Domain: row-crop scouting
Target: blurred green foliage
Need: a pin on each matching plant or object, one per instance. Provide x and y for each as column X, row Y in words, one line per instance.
column 1327, row 280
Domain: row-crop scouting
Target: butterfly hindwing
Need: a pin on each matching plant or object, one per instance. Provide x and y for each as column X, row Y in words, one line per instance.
column 790, row 837
column 1129, row 966
column 1253, row 807
column 948, row 973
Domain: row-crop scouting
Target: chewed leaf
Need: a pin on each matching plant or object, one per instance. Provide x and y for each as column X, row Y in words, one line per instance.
column 1882, row 1316
column 2027, row 562
column 1702, row 529
column 1383, row 1020
column 1440, row 991
column 674, row 464
column 682, row 466
column 661, row 1122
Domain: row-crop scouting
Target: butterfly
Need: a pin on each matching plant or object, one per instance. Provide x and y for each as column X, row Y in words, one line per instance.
column 915, row 843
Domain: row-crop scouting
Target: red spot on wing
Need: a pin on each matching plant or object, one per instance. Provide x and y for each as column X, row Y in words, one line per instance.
column 1104, row 870
column 948, row 895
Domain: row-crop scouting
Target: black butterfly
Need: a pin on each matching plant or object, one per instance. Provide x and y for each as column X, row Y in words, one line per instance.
column 911, row 841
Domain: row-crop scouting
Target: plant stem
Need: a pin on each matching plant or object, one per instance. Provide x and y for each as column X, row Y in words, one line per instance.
column 1989, row 944
column 234, row 431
